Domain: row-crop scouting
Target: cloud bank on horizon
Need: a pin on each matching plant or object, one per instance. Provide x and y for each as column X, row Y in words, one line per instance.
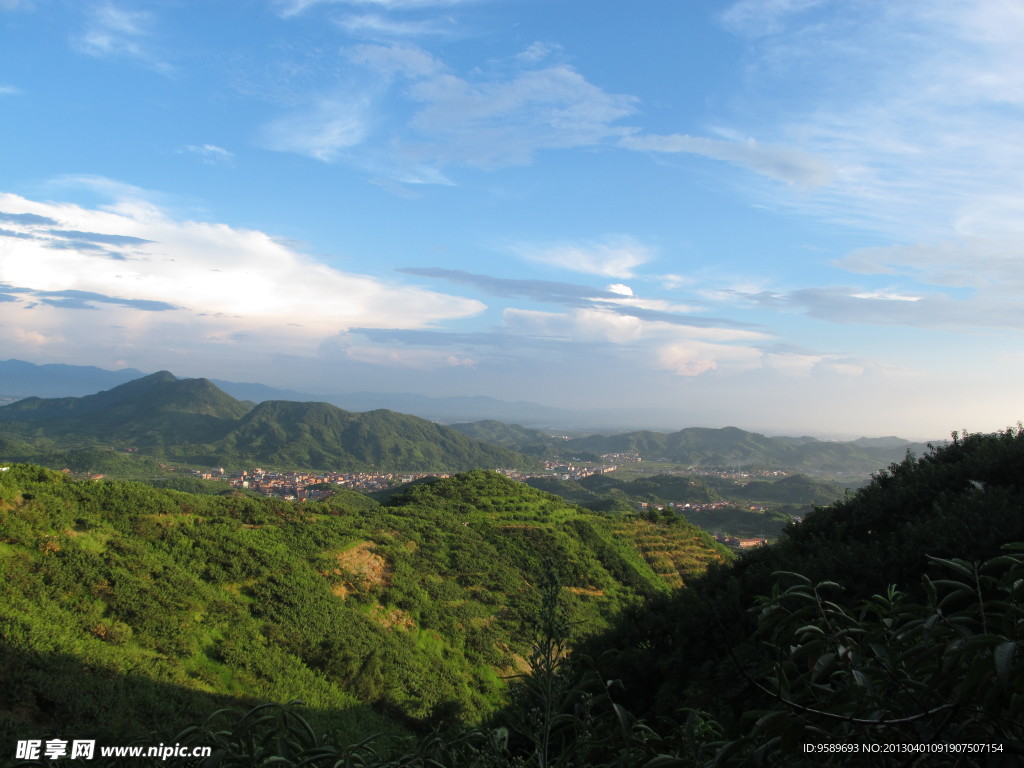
column 799, row 216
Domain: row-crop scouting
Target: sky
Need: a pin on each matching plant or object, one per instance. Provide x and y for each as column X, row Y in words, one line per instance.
column 790, row 216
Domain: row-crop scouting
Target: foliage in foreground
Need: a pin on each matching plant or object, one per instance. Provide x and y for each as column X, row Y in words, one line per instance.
column 943, row 677
column 962, row 500
column 921, row 646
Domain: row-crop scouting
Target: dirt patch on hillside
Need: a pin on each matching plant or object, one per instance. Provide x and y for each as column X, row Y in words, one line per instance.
column 586, row 591
column 360, row 568
column 393, row 617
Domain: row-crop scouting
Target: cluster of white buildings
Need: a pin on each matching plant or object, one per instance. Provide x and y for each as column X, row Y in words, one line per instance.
column 302, row 485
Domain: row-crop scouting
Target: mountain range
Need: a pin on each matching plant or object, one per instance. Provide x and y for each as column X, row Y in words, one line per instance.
column 196, row 421
column 701, row 447
column 19, row 379
column 193, row 420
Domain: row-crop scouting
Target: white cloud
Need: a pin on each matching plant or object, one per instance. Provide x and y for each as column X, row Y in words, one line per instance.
column 375, row 25
column 413, row 116
column 538, row 51
column 997, row 264
column 671, row 282
column 792, row 364
column 322, row 130
column 653, row 305
column 647, row 344
column 788, row 164
column 496, row 123
column 961, row 311
column 686, row 359
column 101, row 185
column 615, row 256
column 402, row 357
column 293, row 7
column 30, row 339
column 596, row 325
column 885, row 296
column 97, row 277
column 756, row 18
column 9, row 90
column 529, row 322
column 113, row 31
column 396, row 60
column 847, row 369
column 210, row 153
column 914, row 105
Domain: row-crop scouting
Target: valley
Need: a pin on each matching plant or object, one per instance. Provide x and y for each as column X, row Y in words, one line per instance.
column 156, row 576
column 182, row 433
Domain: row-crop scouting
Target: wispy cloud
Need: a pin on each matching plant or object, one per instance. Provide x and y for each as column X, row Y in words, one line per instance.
column 394, row 61
column 322, row 130
column 210, row 154
column 501, row 122
column 413, row 117
column 922, row 146
column 650, row 344
column 895, row 306
column 27, row 219
column 538, row 51
column 981, row 263
column 72, row 299
column 98, row 237
column 614, row 256
column 607, row 302
column 924, row 137
column 9, row 90
column 293, row 7
column 527, row 336
column 354, row 347
column 568, row 294
column 373, row 25
column 788, row 164
column 757, row 18
column 113, row 31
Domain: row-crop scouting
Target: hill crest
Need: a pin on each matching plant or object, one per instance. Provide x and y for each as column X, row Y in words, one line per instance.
column 194, row 420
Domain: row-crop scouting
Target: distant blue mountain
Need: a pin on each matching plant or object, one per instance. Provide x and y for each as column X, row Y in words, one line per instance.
column 19, row 379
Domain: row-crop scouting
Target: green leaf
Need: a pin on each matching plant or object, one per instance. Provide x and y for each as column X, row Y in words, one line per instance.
column 1003, row 657
column 960, row 566
column 810, row 629
column 666, row 761
column 823, row 663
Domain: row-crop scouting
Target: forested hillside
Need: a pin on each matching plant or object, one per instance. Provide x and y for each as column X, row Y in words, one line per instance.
column 892, row 617
column 123, row 607
column 895, row 605
column 193, row 421
column 732, row 447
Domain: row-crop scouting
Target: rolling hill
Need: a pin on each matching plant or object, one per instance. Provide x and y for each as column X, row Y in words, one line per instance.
column 122, row 606
column 125, row 608
column 192, row 420
column 732, row 447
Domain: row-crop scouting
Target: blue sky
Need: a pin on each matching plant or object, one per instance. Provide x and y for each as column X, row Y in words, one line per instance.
column 793, row 216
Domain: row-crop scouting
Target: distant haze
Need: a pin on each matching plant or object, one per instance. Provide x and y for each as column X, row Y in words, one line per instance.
column 20, row 379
